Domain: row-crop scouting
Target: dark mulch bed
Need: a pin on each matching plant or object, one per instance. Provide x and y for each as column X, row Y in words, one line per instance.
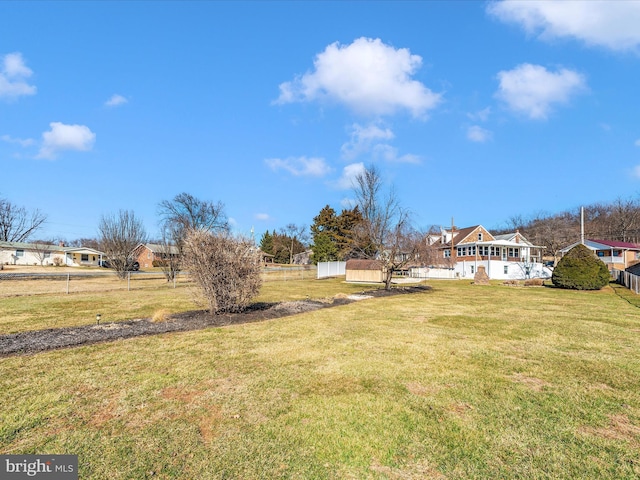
column 25, row 343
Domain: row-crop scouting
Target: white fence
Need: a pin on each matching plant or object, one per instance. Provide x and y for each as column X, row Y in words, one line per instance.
column 331, row 269
column 629, row 280
column 432, row 273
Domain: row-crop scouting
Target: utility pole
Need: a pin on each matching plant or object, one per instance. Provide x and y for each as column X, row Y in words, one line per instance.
column 452, row 227
column 582, row 225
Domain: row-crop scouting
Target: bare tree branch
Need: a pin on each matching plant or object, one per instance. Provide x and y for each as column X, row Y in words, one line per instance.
column 119, row 235
column 16, row 223
column 385, row 233
column 178, row 217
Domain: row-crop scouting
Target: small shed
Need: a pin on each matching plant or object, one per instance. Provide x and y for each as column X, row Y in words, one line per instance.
column 366, row 271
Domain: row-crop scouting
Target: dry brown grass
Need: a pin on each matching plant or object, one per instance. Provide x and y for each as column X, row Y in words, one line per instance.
column 161, row 315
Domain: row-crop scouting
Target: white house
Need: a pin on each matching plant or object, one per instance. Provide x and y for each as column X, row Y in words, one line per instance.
column 615, row 255
column 504, row 257
column 19, row 253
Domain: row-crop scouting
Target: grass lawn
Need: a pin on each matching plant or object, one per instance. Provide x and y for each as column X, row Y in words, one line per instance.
column 37, row 312
column 459, row 382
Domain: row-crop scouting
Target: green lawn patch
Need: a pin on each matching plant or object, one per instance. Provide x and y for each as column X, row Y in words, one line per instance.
column 458, row 382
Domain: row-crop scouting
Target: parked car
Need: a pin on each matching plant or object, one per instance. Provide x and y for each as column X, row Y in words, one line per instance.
column 132, row 266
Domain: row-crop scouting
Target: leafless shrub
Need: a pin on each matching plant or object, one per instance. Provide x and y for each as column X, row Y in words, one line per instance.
column 226, row 269
column 534, row 282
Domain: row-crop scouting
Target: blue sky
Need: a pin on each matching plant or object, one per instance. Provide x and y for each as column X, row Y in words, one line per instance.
column 473, row 110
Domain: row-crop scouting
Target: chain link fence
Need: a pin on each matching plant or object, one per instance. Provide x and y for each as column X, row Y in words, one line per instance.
column 35, row 283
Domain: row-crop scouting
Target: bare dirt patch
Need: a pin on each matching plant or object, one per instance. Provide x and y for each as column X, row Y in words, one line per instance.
column 535, row 384
column 25, row 343
column 620, row 428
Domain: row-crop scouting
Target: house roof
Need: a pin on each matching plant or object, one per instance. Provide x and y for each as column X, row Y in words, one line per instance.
column 46, row 247
column 505, row 240
column 603, row 245
column 159, row 248
column 615, row 244
column 361, row 264
column 82, row 250
column 460, row 235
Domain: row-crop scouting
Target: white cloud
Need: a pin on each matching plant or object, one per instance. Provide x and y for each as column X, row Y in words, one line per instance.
column 476, row 133
column 607, row 23
column 13, row 77
column 348, row 203
column 480, row 116
column 65, row 137
column 363, row 139
column 369, row 140
column 262, row 216
column 389, row 153
column 23, row 142
column 116, row 100
column 349, row 173
column 533, row 90
column 300, row 166
column 367, row 76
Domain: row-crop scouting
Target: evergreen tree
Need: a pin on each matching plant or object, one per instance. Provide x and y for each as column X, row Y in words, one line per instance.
column 266, row 243
column 324, row 248
column 348, row 220
column 324, row 233
column 333, row 235
column 580, row 269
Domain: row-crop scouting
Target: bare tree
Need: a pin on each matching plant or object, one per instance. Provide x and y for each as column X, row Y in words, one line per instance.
column 227, row 269
column 84, row 242
column 296, row 237
column 625, row 215
column 179, row 216
column 170, row 253
column 186, row 212
column 119, row 235
column 385, row 232
column 42, row 250
column 16, row 223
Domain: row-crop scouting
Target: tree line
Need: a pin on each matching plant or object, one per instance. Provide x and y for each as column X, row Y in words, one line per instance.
column 376, row 227
column 616, row 221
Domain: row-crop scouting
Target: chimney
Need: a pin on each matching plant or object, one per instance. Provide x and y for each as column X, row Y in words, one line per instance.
column 61, row 244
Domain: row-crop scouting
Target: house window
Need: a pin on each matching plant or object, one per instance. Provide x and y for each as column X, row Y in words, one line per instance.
column 506, row 269
column 148, row 255
column 514, row 252
column 47, row 255
column 600, row 253
column 84, row 257
column 472, row 270
column 447, row 254
column 472, row 250
column 480, row 237
column 19, row 253
column 484, row 250
column 495, row 251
